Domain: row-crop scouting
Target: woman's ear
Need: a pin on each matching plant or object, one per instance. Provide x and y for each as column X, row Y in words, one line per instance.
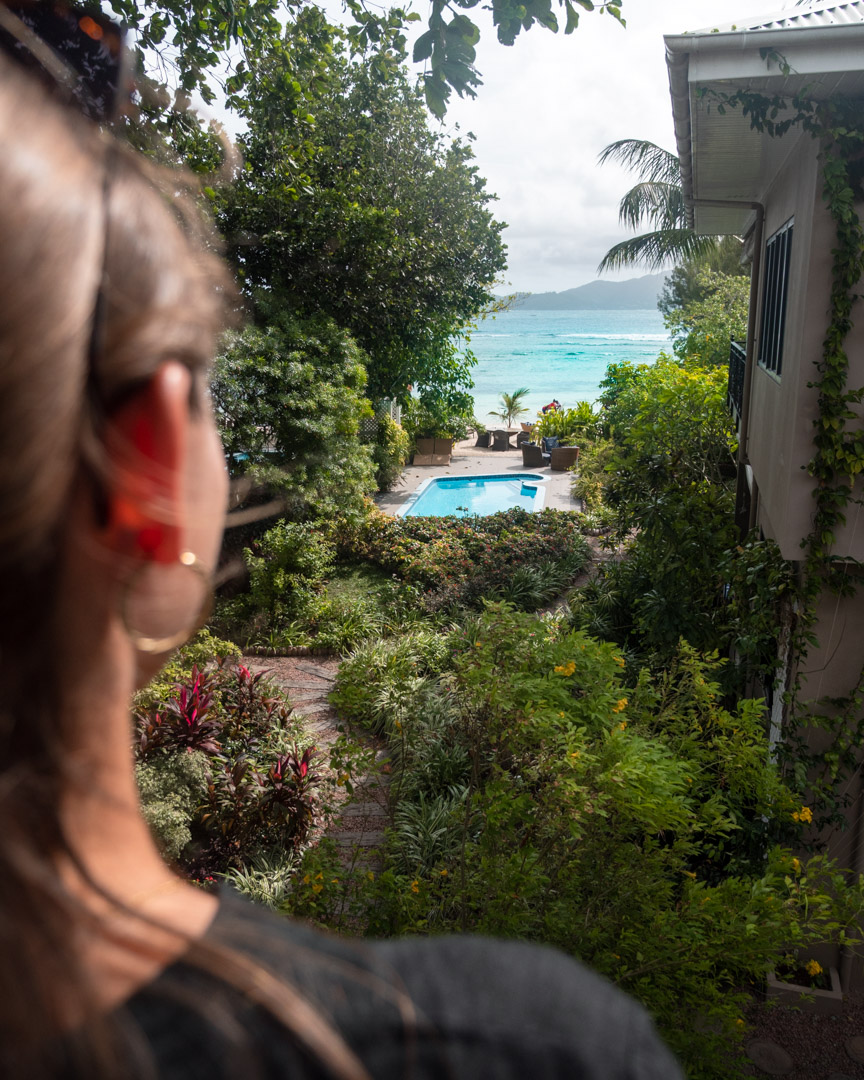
column 146, row 442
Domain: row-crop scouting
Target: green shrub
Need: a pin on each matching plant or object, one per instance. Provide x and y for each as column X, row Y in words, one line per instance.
column 260, row 787
column 576, row 426
column 390, row 452
column 289, row 401
column 590, row 480
column 287, row 567
column 456, row 562
column 377, row 667
column 172, row 787
column 631, row 823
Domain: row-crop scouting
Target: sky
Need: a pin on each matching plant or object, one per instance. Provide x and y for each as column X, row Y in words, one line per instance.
column 546, row 109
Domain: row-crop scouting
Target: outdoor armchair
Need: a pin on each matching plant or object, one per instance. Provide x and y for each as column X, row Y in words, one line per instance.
column 562, row 458
column 533, row 456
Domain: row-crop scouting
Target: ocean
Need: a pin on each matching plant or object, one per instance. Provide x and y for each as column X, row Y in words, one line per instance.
column 558, row 354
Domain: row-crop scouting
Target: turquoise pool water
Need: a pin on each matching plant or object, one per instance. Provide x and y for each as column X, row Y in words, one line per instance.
column 462, row 496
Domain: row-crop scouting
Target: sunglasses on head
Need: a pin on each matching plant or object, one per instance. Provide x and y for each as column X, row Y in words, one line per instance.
column 77, row 51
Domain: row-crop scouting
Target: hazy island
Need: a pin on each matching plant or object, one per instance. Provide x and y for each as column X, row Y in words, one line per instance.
column 641, row 292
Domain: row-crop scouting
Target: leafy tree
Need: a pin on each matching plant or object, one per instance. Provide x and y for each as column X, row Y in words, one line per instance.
column 289, row 401
column 668, row 479
column 510, row 406
column 703, row 329
column 200, row 40
column 682, row 287
column 358, row 210
column 658, row 201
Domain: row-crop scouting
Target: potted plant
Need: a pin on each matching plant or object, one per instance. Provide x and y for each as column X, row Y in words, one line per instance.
column 807, row 985
column 435, row 423
column 481, row 431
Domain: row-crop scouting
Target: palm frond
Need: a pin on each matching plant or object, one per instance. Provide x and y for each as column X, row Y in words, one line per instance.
column 654, row 250
column 652, row 163
column 657, row 204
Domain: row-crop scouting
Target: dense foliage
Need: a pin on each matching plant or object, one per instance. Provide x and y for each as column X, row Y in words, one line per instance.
column 703, row 327
column 538, row 793
column 334, row 588
column 348, row 203
column 289, row 399
column 222, row 774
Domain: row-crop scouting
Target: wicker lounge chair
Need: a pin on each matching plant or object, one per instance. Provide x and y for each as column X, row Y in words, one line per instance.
column 533, row 456
column 563, row 457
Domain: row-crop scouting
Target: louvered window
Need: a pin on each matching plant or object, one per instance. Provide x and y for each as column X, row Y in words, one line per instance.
column 774, row 294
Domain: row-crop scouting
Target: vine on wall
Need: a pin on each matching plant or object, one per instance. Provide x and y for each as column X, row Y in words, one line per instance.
column 838, row 457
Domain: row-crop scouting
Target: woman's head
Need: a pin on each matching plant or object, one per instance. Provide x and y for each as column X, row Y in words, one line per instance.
column 78, row 216
column 100, row 450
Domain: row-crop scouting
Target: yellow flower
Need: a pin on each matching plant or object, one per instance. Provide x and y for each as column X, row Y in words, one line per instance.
column 415, row 886
column 478, row 644
column 317, row 888
column 318, row 877
column 622, row 725
column 574, row 753
column 619, row 660
column 805, row 814
column 813, row 967
column 397, row 725
column 565, row 669
column 306, row 879
column 334, row 881
column 739, row 1022
column 444, row 873
column 796, row 865
column 561, row 714
column 622, row 704
column 370, row 875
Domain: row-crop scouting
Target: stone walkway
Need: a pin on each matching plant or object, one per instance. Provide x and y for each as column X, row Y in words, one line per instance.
column 358, row 827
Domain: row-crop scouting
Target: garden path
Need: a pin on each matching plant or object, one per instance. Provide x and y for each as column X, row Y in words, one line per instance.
column 359, row 823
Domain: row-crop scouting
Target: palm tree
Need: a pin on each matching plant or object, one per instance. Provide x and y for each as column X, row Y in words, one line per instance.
column 510, row 406
column 657, row 200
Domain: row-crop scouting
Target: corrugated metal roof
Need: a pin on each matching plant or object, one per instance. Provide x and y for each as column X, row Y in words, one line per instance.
column 795, row 18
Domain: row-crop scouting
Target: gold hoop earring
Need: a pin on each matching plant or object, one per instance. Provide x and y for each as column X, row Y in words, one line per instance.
column 156, row 639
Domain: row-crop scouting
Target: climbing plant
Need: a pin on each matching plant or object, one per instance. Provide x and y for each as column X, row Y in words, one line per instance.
column 838, row 457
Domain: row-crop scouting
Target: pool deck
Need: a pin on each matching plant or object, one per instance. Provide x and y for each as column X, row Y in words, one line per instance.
column 470, row 460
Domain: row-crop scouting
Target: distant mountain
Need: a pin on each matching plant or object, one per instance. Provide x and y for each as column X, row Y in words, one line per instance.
column 641, row 292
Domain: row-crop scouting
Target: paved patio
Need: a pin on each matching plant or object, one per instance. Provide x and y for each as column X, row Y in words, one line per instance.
column 468, row 460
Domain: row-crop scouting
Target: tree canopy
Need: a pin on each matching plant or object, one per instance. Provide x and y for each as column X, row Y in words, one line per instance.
column 207, row 41
column 348, row 204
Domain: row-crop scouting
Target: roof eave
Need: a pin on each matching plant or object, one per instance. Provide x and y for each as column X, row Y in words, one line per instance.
column 740, row 59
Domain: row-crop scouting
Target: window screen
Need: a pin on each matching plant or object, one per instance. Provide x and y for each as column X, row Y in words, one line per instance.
column 774, row 292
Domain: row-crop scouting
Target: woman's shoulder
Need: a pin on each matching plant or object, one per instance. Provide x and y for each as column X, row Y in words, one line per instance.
column 461, row 1007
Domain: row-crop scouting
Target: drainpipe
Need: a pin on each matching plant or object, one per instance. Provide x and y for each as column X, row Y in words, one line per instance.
column 750, row 350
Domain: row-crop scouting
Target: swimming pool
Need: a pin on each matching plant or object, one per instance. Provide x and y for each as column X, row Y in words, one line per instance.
column 463, row 496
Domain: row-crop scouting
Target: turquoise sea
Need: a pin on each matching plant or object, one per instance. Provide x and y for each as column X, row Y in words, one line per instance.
column 558, row 354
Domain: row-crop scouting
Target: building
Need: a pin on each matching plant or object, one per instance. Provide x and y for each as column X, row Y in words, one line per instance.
column 769, row 190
